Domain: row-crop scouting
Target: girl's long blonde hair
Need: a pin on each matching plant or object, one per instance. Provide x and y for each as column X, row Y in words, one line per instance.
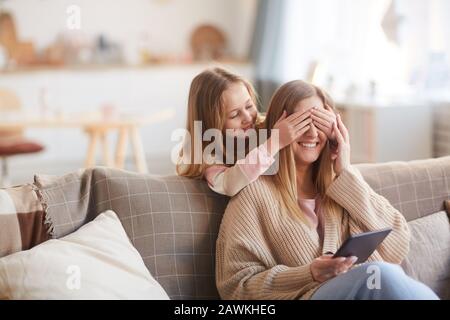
column 287, row 98
column 206, row 105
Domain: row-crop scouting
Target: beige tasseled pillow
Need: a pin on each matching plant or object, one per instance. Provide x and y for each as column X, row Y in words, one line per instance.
column 98, row 261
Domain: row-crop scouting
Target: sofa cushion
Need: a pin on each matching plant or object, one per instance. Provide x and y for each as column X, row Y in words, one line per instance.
column 172, row 221
column 429, row 257
column 95, row 262
column 23, row 222
column 416, row 188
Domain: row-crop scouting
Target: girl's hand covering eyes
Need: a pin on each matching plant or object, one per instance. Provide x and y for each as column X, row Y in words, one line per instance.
column 323, row 119
column 291, row 128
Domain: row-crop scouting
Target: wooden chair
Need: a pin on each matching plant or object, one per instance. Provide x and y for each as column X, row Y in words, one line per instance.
column 12, row 142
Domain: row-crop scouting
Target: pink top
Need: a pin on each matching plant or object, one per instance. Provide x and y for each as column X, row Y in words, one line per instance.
column 230, row 180
column 311, row 208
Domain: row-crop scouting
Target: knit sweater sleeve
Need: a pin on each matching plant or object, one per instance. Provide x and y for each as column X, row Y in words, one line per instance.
column 245, row 266
column 372, row 212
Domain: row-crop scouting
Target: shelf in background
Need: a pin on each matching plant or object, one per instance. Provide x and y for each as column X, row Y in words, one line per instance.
column 109, row 67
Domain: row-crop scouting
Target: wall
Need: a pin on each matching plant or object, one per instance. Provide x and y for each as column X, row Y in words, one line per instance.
column 168, row 23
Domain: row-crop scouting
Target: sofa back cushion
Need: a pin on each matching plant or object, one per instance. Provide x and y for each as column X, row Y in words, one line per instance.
column 172, row 221
column 416, row 188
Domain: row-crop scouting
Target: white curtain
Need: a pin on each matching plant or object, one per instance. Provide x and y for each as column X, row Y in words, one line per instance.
column 347, row 40
column 425, row 46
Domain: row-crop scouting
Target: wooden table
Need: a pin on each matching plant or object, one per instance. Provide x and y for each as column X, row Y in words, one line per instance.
column 97, row 130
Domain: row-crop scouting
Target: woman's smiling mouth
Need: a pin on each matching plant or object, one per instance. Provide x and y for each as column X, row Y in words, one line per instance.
column 308, row 145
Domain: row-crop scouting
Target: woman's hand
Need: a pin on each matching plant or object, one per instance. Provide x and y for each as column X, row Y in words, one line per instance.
column 340, row 153
column 327, row 267
column 290, row 128
column 323, row 119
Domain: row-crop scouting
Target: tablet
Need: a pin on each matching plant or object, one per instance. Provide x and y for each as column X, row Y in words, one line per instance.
column 362, row 245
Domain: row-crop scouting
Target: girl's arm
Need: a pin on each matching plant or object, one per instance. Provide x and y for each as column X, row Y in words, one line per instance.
column 230, row 180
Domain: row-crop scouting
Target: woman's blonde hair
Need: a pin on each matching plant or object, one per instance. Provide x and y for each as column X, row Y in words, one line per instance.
column 287, row 98
column 206, row 105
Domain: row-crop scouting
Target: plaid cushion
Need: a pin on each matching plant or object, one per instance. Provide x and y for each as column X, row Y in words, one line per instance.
column 416, row 188
column 23, row 223
column 172, row 221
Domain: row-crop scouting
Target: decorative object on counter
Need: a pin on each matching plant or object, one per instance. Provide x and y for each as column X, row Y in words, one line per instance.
column 145, row 50
column 72, row 48
column 107, row 52
column 8, row 36
column 20, row 52
column 79, row 49
column 54, row 54
column 208, row 43
column 147, row 53
column 109, row 112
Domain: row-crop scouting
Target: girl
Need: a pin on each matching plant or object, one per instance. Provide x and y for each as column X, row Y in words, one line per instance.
column 221, row 100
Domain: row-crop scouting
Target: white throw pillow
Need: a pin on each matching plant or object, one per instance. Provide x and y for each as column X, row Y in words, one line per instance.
column 97, row 261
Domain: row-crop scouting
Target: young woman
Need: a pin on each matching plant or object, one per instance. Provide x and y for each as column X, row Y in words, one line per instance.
column 224, row 101
column 277, row 235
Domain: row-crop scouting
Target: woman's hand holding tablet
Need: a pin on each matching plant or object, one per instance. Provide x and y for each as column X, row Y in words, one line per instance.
column 362, row 245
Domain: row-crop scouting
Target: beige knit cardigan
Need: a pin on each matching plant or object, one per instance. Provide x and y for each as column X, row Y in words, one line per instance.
column 262, row 254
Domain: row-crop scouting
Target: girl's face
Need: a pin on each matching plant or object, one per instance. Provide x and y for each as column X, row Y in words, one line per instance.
column 308, row 147
column 240, row 111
